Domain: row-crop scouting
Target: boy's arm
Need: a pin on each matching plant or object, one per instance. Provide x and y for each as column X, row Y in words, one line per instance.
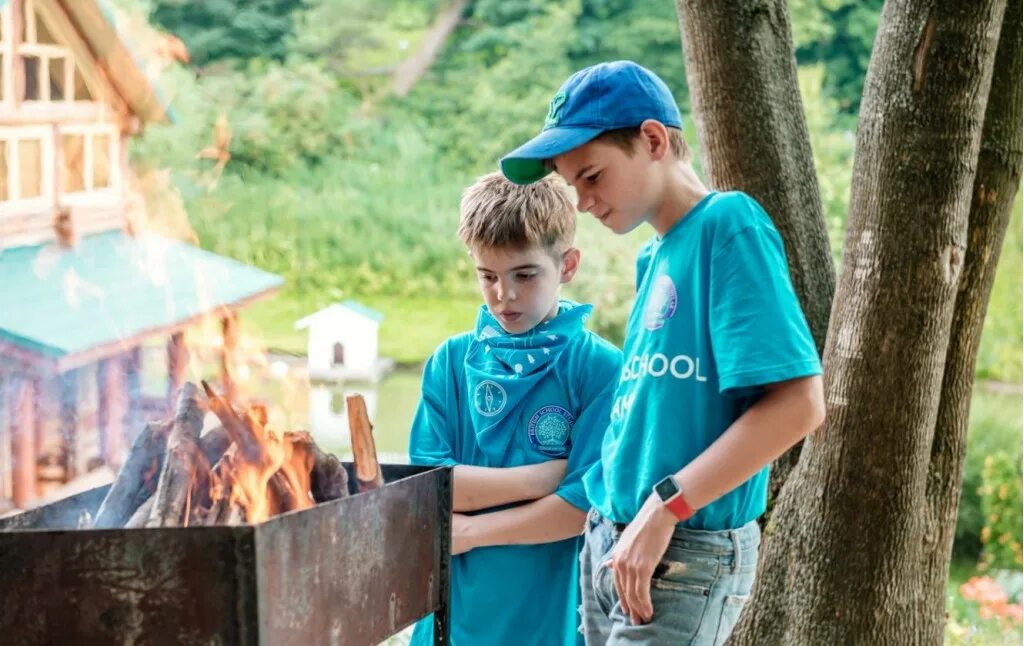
column 542, row 521
column 789, row 411
column 560, row 515
column 485, row 487
column 432, row 442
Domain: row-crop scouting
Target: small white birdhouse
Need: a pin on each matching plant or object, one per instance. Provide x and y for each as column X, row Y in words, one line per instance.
column 343, row 343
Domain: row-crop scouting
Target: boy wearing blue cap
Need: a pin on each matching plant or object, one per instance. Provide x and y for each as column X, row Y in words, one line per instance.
column 720, row 372
column 518, row 407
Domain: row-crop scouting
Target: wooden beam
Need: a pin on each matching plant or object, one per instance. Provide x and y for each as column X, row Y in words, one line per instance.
column 229, row 327
column 68, row 384
column 177, row 365
column 131, row 362
column 39, row 112
column 22, row 435
column 17, row 69
column 112, row 408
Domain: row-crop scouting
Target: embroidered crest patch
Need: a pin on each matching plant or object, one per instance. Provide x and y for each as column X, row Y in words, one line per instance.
column 550, row 430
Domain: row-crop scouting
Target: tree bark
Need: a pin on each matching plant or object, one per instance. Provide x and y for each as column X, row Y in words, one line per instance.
column 844, row 546
column 995, row 186
column 741, row 71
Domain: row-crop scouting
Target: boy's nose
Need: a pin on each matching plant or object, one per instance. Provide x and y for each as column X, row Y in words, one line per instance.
column 584, row 202
column 505, row 293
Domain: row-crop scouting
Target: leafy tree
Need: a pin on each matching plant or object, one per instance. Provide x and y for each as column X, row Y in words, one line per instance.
column 215, row 30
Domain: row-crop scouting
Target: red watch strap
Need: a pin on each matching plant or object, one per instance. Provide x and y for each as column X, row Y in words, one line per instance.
column 678, row 506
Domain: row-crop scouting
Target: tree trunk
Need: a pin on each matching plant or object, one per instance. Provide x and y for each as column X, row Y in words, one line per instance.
column 413, row 68
column 995, row 186
column 741, row 71
column 844, row 547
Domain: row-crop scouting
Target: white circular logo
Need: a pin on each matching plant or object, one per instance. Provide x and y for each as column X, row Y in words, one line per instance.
column 489, row 398
column 661, row 304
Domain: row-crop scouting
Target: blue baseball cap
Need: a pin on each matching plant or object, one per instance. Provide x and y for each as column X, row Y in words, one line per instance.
column 601, row 97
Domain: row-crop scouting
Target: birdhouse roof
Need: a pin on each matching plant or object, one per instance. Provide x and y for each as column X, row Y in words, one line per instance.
column 336, row 309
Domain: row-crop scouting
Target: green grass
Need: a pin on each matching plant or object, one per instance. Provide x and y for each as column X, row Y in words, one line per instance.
column 412, row 328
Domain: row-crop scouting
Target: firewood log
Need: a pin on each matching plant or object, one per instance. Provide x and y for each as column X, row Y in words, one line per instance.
column 328, row 477
column 368, row 474
column 282, row 498
column 141, row 515
column 213, row 444
column 180, row 463
column 137, row 479
column 237, row 428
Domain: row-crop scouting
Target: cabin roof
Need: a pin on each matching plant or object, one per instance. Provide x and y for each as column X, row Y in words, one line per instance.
column 111, row 291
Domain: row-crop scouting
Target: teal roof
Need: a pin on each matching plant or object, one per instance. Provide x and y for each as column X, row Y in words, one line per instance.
column 110, row 287
column 359, row 308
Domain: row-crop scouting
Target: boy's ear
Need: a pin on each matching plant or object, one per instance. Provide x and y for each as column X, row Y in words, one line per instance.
column 570, row 264
column 654, row 136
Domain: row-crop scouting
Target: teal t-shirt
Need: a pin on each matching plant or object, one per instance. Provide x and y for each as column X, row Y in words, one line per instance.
column 715, row 318
column 492, row 399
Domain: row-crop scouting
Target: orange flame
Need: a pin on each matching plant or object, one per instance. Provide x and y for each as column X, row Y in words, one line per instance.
column 267, row 473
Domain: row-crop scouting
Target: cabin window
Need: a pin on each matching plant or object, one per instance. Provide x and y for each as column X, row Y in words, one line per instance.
column 88, row 158
column 49, row 68
column 25, row 155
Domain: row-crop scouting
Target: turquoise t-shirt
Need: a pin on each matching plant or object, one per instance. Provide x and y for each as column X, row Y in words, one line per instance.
column 715, row 318
column 492, row 399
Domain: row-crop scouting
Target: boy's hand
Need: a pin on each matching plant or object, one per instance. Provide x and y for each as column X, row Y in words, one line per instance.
column 546, row 476
column 635, row 556
column 463, row 539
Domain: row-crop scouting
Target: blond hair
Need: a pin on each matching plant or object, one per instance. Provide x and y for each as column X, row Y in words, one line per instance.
column 496, row 213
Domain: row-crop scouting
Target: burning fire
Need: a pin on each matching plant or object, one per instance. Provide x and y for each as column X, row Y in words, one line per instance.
column 266, row 473
column 240, row 472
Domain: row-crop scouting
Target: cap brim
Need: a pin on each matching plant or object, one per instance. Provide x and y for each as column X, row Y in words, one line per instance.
column 525, row 164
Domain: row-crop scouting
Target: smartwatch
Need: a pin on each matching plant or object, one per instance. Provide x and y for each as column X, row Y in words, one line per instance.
column 671, row 495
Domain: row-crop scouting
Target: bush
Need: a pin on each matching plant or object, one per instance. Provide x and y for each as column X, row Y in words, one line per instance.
column 1001, row 506
column 995, row 427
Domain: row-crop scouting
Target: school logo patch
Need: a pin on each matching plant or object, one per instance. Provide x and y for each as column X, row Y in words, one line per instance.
column 661, row 303
column 550, row 429
column 489, row 398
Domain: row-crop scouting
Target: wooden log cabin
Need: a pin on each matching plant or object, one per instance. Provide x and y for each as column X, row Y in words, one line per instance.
column 83, row 289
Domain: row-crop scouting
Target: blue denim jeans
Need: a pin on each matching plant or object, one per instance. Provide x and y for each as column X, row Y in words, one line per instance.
column 698, row 589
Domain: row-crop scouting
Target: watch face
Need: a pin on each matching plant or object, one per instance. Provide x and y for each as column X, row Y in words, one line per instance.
column 666, row 488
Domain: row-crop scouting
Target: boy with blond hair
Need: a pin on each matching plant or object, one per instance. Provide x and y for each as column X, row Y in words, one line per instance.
column 720, row 373
column 518, row 407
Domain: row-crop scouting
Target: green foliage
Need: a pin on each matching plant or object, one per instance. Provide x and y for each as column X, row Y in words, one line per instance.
column 492, row 92
column 999, row 357
column 360, row 37
column 995, row 428
column 649, row 35
column 840, row 35
column 1001, row 505
column 228, row 29
column 833, row 153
